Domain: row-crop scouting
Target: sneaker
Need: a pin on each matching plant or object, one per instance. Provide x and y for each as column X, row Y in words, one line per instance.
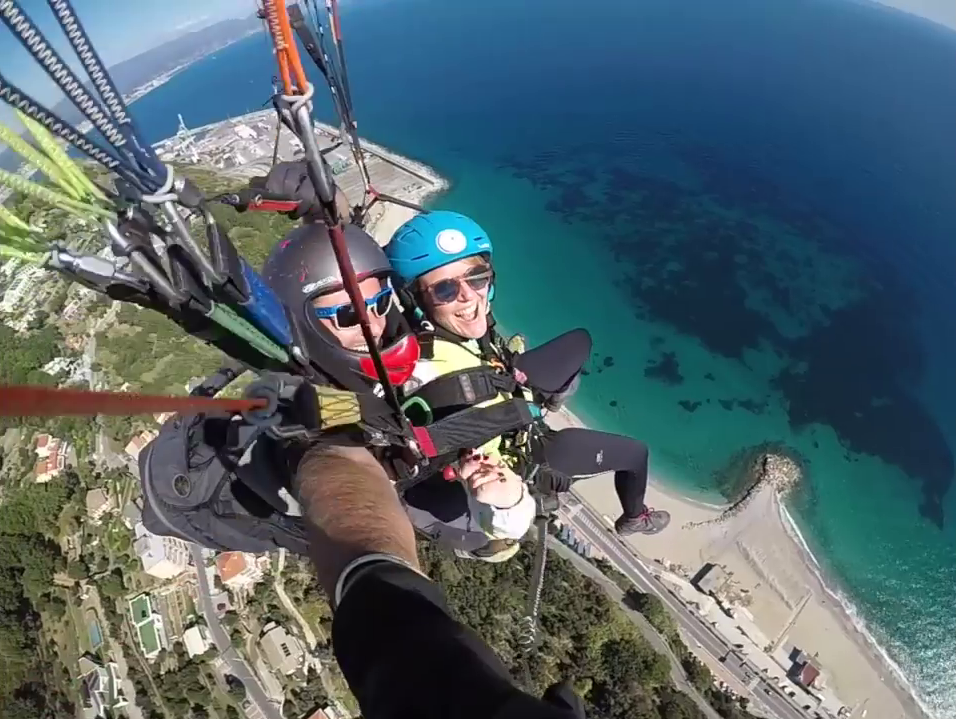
column 517, row 344
column 650, row 521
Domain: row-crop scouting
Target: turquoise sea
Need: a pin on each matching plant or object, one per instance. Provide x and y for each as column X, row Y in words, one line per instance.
column 750, row 204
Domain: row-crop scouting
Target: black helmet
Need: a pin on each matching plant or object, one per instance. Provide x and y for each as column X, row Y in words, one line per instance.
column 303, row 266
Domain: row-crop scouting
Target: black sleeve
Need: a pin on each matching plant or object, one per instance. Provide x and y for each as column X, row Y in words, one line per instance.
column 404, row 657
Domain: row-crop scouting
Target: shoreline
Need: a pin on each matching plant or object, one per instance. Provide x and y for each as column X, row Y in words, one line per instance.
column 143, row 90
column 855, row 625
column 873, row 672
column 392, row 216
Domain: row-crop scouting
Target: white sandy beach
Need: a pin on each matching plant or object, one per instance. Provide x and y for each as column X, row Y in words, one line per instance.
column 757, row 547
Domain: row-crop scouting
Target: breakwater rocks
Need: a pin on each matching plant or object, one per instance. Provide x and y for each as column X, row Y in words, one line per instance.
column 776, row 470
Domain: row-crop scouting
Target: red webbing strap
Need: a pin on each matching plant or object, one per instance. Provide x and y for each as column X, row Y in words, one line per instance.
column 19, row 401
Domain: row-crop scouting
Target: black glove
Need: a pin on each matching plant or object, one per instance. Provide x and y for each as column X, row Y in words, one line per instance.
column 290, row 180
column 297, row 410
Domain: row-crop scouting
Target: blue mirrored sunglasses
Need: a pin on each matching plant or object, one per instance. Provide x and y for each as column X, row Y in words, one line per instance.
column 344, row 316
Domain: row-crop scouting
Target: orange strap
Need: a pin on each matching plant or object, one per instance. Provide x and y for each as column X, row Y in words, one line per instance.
column 21, row 401
column 293, row 76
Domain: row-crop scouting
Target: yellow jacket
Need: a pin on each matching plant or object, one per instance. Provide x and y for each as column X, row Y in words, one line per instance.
column 496, row 523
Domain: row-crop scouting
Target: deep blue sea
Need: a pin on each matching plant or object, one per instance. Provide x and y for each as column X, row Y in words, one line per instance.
column 751, row 204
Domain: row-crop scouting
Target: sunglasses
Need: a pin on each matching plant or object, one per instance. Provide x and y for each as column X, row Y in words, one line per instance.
column 444, row 292
column 345, row 317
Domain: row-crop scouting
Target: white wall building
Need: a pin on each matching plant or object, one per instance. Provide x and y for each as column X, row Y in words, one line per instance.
column 196, row 640
column 162, row 557
column 100, row 691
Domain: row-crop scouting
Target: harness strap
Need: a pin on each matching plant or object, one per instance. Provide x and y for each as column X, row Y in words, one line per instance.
column 465, row 387
column 474, row 427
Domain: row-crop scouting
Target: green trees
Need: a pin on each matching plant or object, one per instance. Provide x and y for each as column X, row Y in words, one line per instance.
column 24, row 354
column 112, row 585
column 655, row 612
column 183, row 688
column 237, row 690
column 78, row 570
column 264, row 604
column 28, row 560
column 584, row 637
column 303, row 700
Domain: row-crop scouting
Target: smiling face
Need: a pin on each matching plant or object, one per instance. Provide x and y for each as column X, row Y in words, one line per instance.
column 455, row 297
column 350, row 337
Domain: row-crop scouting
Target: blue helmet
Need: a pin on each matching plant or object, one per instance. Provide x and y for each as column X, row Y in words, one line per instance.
column 434, row 239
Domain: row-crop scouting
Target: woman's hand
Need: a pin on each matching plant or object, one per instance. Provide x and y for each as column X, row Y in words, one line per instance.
column 491, row 481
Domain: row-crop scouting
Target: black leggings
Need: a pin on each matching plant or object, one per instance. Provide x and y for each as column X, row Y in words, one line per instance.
column 573, row 454
column 576, row 453
column 554, row 365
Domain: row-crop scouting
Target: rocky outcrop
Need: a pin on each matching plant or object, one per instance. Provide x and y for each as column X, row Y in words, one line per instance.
column 776, row 470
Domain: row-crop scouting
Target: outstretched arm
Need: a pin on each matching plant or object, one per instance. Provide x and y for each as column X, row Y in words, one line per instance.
column 400, row 650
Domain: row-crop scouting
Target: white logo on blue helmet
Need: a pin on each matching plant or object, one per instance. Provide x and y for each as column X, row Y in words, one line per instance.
column 451, row 242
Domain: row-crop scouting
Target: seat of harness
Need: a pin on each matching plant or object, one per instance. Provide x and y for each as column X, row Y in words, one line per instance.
column 456, row 391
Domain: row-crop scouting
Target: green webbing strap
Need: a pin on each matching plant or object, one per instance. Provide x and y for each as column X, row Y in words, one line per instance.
column 17, row 242
column 7, row 218
column 18, row 254
column 226, row 317
column 52, row 197
column 44, row 164
column 62, row 160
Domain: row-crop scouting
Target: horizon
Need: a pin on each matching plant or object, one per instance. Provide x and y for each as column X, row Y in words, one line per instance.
column 119, row 37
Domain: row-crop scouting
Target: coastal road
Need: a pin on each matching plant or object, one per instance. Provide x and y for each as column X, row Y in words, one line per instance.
column 589, row 525
column 236, row 664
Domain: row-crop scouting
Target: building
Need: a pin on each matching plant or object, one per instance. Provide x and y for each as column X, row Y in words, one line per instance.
column 196, row 640
column 283, row 651
column 100, row 690
column 51, row 458
column 802, row 669
column 711, row 579
column 149, row 626
column 238, row 570
column 162, row 557
column 137, row 443
column 98, row 503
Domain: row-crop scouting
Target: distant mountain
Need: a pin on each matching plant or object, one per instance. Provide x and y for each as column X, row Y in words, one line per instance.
column 137, row 71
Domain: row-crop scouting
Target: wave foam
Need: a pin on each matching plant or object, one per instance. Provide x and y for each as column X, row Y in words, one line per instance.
column 852, row 613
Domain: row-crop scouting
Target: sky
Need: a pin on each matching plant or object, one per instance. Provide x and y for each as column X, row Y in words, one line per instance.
column 941, row 11
column 122, row 29
column 119, row 30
